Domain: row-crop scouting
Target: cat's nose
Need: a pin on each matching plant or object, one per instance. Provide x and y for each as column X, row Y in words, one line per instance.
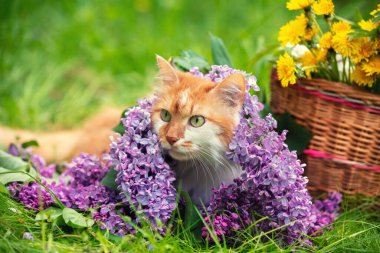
column 172, row 139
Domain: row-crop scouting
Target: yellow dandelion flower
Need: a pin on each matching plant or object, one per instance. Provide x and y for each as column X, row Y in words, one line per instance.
column 310, row 33
column 298, row 4
column 321, row 54
column 360, row 77
column 365, row 49
column 341, row 27
column 372, row 66
column 376, row 43
column 374, row 12
column 326, row 40
column 293, row 31
column 323, row 7
column 309, row 63
column 344, row 45
column 286, row 70
column 341, row 41
column 368, row 25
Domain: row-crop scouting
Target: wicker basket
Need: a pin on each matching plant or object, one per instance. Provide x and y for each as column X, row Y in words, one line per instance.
column 344, row 153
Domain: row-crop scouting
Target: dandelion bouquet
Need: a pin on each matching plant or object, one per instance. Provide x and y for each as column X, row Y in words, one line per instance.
column 347, row 52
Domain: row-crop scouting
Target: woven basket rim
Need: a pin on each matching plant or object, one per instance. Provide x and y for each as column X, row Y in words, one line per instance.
column 341, row 90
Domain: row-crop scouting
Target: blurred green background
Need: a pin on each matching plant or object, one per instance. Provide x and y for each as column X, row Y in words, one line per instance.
column 61, row 61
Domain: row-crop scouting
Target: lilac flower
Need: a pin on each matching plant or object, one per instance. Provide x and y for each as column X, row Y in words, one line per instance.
column 325, row 211
column 228, row 212
column 28, row 236
column 85, row 170
column 145, row 179
column 39, row 164
column 32, row 195
column 111, row 220
column 83, row 189
column 92, row 196
column 37, row 161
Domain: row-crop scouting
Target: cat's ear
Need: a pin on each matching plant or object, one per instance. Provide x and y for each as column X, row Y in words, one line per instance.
column 231, row 90
column 167, row 74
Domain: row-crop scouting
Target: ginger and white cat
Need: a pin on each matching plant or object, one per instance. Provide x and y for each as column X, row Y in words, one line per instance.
column 194, row 119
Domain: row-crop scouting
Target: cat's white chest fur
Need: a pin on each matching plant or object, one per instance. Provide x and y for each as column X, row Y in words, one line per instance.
column 198, row 177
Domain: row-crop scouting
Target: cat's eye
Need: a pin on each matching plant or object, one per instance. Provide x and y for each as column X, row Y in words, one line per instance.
column 197, row 121
column 165, row 115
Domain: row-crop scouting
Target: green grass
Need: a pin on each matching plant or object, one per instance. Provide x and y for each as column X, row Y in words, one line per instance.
column 356, row 230
column 60, row 61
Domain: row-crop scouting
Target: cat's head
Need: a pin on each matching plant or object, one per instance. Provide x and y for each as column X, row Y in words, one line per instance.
column 194, row 116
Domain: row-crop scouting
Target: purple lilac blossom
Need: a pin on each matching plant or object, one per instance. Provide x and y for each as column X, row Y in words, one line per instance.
column 28, row 236
column 145, row 179
column 83, row 189
column 272, row 183
column 326, row 211
column 39, row 164
column 37, row 161
column 32, row 195
column 110, row 219
column 85, row 170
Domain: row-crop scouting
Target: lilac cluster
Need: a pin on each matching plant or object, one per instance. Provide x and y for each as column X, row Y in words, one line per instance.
column 272, row 183
column 326, row 211
column 32, row 195
column 79, row 187
column 85, row 170
column 84, row 191
column 145, row 180
column 47, row 171
column 110, row 219
column 83, row 188
column 37, row 161
column 228, row 212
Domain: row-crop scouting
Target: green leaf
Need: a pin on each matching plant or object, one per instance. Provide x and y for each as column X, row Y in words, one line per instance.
column 189, row 59
column 376, row 18
column 359, row 34
column 75, row 219
column 298, row 137
column 32, row 143
column 9, row 176
column 109, row 179
column 14, row 169
column 220, row 55
column 120, row 127
column 50, row 214
column 11, row 162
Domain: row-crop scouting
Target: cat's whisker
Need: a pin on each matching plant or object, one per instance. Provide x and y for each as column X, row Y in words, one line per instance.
column 204, row 168
column 193, row 162
column 209, row 155
column 207, row 167
column 218, row 157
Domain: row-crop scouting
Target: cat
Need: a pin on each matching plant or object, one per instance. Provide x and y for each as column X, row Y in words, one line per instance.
column 194, row 119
